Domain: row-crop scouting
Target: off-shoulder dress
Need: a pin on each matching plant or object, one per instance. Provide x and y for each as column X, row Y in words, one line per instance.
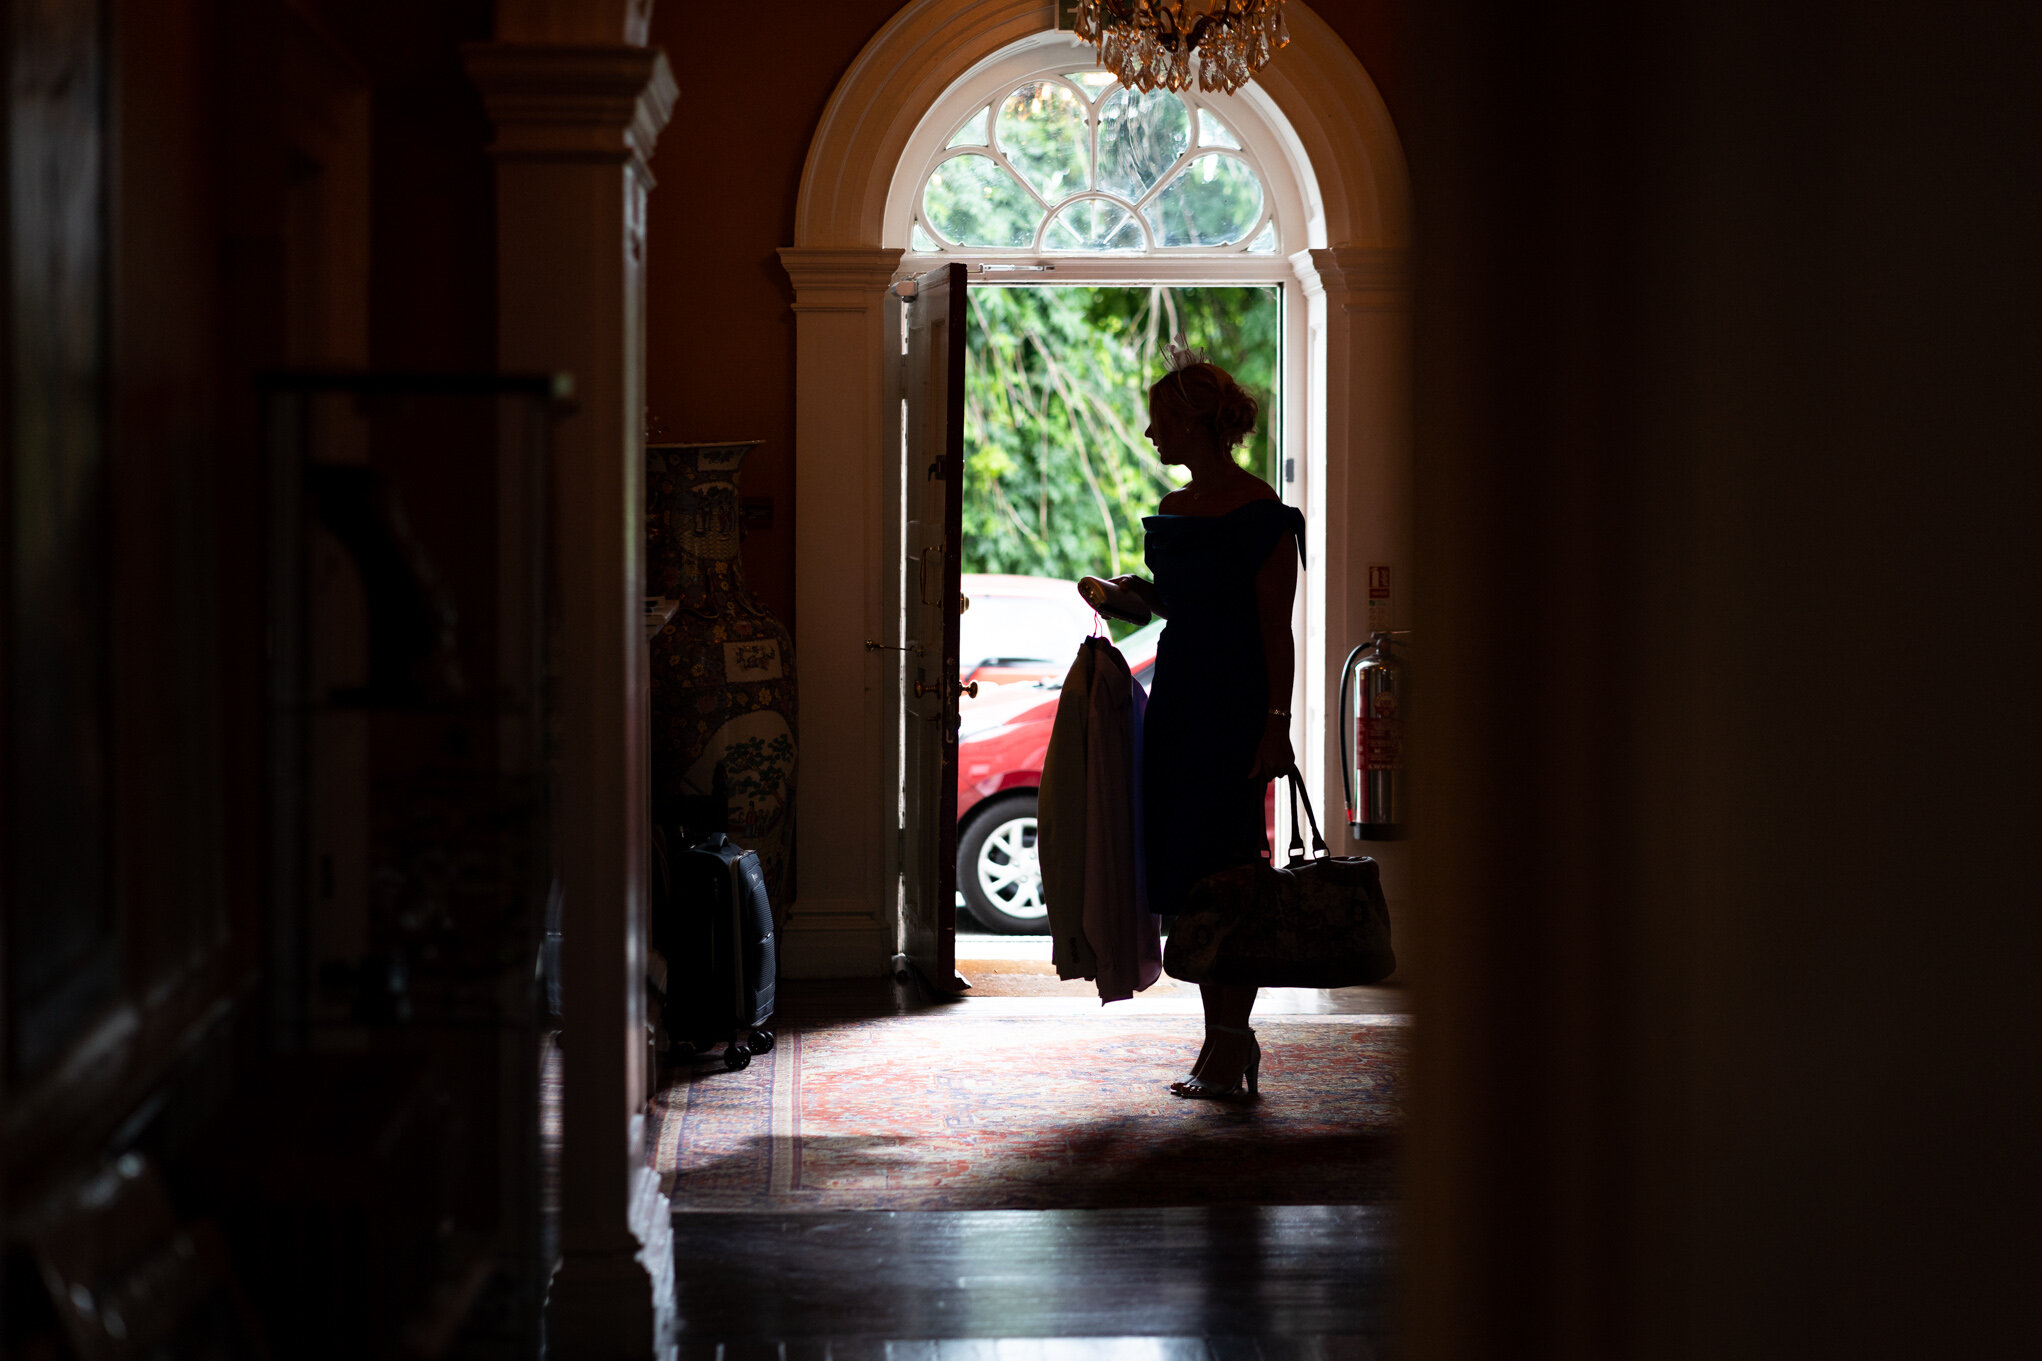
column 1209, row 695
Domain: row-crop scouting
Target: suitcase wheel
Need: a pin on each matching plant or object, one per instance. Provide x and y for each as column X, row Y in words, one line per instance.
column 762, row 1041
column 736, row 1056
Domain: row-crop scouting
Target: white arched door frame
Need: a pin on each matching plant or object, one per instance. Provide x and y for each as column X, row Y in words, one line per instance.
column 1268, row 146
column 1346, row 405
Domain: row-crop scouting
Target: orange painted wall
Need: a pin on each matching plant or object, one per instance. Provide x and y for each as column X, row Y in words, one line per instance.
column 719, row 334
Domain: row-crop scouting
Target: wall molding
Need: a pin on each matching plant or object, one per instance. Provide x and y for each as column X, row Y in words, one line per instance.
column 1366, row 276
column 574, row 127
column 599, row 103
column 1322, row 88
column 836, row 938
column 842, row 922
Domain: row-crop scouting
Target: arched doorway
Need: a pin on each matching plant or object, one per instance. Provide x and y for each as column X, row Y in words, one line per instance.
column 1109, row 218
column 1331, row 158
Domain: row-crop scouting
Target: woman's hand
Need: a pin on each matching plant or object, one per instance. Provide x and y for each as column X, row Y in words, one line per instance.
column 1274, row 755
column 1116, row 599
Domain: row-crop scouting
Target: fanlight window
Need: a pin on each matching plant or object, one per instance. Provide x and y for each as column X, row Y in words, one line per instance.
column 1076, row 163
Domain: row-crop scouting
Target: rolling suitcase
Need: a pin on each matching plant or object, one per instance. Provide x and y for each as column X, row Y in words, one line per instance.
column 718, row 943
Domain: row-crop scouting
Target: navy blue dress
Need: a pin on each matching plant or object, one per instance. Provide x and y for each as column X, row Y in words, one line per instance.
column 1209, row 696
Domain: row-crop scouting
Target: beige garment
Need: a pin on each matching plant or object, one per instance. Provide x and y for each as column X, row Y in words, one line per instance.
column 1060, row 823
column 1123, row 933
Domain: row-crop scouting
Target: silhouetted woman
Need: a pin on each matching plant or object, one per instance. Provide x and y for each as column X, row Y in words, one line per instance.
column 1224, row 553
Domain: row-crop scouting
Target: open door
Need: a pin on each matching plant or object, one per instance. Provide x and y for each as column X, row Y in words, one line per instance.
column 933, row 473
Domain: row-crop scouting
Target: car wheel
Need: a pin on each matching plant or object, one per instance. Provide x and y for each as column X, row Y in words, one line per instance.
column 997, row 870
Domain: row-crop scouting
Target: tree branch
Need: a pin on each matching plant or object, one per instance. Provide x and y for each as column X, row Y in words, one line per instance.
column 1071, row 410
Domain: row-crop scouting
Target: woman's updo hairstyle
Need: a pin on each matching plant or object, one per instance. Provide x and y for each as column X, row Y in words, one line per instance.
column 1211, row 395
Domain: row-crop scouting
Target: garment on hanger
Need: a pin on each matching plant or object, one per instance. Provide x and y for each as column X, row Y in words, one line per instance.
column 1089, row 830
column 1060, row 824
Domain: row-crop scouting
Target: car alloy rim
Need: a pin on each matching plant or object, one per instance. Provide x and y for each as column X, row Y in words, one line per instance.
column 1009, row 874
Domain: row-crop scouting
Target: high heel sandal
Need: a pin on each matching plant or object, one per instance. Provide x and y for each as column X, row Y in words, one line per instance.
column 1196, row 1088
column 1197, row 1064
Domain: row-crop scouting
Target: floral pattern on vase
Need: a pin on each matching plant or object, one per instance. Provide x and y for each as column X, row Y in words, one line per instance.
column 723, row 694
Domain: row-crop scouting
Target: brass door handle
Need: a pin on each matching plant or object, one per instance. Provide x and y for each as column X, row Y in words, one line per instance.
column 963, row 688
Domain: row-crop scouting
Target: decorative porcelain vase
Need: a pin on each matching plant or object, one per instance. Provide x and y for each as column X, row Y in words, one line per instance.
column 723, row 698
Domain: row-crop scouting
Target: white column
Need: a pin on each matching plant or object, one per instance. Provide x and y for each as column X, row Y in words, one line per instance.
column 842, row 923
column 1359, row 309
column 574, row 127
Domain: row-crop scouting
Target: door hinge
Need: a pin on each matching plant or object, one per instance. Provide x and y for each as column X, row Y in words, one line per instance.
column 900, row 848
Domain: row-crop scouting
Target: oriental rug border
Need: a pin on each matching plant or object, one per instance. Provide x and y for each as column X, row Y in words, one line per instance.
column 1030, row 1112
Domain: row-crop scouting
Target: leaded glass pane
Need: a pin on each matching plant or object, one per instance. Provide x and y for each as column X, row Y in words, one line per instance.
column 973, row 133
column 1215, row 199
column 1095, row 225
column 1041, row 128
column 973, row 201
column 1091, row 82
column 1140, row 138
column 1264, row 242
column 919, row 239
column 1212, row 132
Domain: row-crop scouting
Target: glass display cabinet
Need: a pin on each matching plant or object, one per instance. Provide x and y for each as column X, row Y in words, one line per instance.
column 409, row 865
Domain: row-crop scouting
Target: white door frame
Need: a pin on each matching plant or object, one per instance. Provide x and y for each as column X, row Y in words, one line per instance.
column 1345, row 398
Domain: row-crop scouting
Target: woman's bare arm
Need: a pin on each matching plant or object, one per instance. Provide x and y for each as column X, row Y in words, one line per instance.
column 1276, row 586
column 1144, row 590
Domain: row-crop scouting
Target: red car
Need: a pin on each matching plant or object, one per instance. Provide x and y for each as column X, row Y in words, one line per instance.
column 1019, row 630
column 1001, row 738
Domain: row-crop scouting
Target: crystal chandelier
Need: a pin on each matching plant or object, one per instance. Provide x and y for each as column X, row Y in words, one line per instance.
column 1148, row 43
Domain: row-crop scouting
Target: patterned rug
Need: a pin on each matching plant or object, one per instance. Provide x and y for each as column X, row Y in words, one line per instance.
column 1037, row 978
column 951, row 1112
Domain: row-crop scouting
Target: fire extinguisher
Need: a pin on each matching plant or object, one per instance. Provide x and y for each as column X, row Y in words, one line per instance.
column 1372, row 738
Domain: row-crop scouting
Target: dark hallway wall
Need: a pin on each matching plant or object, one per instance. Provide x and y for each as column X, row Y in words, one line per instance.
column 1374, row 31
column 719, row 332
column 1726, row 497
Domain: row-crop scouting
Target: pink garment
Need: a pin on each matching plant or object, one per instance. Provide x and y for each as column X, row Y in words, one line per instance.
column 1125, row 936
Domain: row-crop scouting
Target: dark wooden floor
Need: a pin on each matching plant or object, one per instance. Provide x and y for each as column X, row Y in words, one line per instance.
column 1221, row 1283
column 1293, row 1281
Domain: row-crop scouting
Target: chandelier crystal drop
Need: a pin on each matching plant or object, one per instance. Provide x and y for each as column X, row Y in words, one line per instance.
column 1148, row 44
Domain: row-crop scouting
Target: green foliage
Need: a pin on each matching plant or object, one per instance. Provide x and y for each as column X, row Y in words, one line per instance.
column 1058, row 474
column 1215, row 200
column 1041, row 129
column 972, row 201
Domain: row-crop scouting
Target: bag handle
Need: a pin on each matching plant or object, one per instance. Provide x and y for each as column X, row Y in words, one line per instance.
column 1297, row 840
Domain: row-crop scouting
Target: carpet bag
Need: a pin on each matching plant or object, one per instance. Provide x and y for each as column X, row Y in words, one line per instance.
column 718, row 942
column 1320, row 922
